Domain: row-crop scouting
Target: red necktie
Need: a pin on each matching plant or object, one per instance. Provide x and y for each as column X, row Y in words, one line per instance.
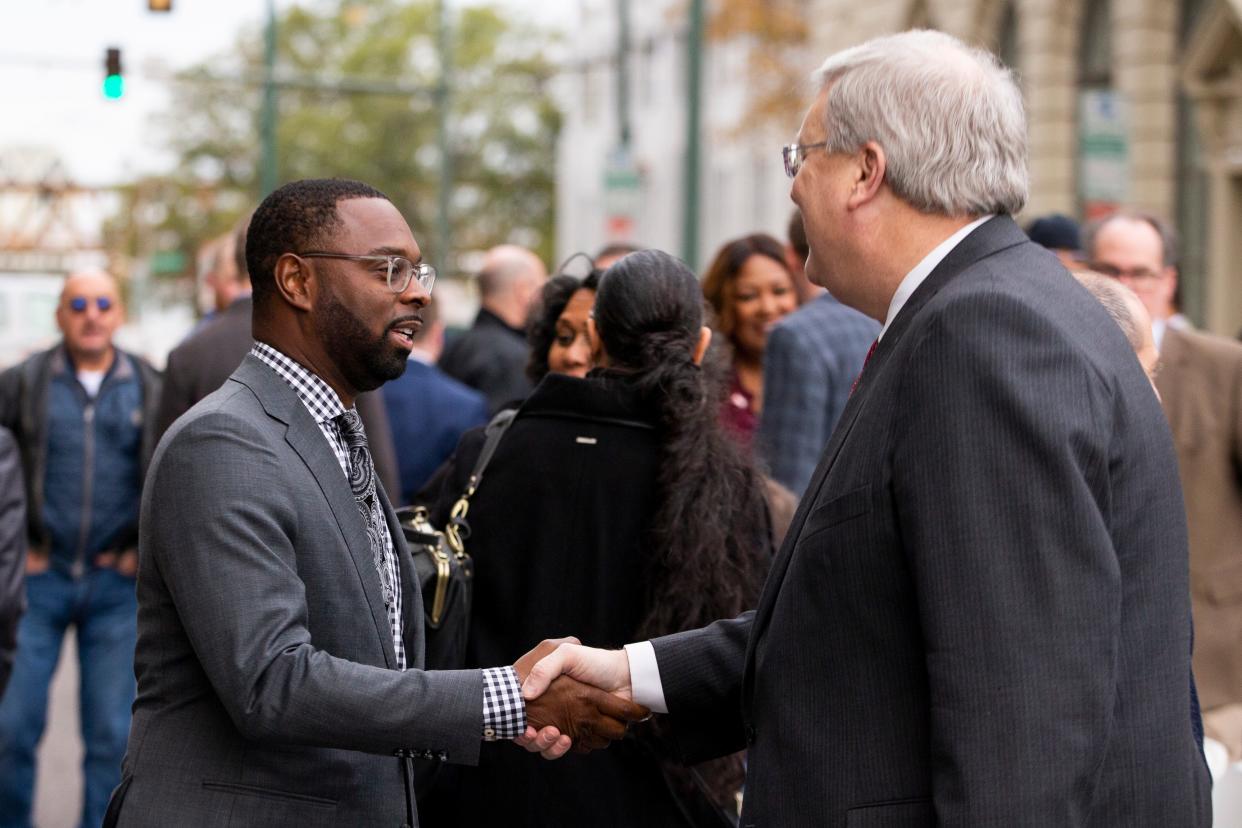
column 870, row 351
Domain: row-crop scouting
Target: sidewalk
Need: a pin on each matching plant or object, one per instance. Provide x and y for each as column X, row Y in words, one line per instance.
column 58, row 790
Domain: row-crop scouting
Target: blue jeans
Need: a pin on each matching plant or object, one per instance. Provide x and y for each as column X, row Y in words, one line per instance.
column 102, row 606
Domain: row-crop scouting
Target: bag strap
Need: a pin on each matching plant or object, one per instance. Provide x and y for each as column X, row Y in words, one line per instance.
column 494, row 431
column 458, row 530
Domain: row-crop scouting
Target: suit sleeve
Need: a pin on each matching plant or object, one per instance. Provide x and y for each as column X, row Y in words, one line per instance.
column 1000, row 469
column 793, row 428
column 701, row 676
column 219, row 532
column 12, row 551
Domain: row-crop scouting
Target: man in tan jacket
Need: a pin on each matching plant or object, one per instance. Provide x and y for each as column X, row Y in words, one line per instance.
column 1200, row 383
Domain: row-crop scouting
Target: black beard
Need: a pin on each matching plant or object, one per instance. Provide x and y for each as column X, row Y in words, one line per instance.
column 366, row 362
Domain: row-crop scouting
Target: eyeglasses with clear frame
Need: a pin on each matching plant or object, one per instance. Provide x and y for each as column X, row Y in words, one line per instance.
column 400, row 269
column 795, row 154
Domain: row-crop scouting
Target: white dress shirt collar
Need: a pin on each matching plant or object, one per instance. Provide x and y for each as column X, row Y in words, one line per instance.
column 923, row 269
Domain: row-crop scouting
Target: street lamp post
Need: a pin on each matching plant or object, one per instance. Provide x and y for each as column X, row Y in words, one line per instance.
column 269, row 114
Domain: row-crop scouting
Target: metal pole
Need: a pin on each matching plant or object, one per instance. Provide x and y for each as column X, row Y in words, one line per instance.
column 690, row 194
column 444, row 224
column 623, row 71
column 268, row 116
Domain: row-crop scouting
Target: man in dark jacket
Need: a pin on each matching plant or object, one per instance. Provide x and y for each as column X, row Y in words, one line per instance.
column 12, row 551
column 981, row 612
column 491, row 356
column 81, row 413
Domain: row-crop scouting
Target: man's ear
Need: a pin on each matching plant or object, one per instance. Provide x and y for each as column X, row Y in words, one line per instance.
column 294, row 281
column 872, row 164
column 700, row 350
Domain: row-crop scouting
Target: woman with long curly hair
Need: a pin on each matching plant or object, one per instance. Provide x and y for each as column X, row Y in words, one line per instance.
column 615, row 509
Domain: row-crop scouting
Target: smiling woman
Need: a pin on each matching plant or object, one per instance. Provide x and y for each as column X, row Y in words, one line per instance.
column 750, row 288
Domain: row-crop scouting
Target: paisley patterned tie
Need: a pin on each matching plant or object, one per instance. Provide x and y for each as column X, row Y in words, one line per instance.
column 362, row 483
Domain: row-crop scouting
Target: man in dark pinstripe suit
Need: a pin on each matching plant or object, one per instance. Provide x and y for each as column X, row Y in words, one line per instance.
column 980, row 613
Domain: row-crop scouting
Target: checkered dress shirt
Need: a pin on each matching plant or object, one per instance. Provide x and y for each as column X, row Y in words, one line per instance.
column 504, row 710
column 325, row 406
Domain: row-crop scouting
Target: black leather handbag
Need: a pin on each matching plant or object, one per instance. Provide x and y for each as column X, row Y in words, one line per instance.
column 444, row 569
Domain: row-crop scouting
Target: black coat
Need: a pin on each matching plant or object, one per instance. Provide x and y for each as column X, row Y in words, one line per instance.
column 490, row 357
column 558, row 537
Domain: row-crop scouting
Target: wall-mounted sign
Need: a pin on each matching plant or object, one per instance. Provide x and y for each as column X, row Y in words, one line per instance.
column 1103, row 152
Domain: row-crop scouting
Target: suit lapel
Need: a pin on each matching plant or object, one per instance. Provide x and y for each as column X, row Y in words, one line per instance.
column 304, row 436
column 990, row 237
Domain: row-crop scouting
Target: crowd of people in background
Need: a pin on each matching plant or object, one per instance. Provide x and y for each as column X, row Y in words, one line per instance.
column 668, row 424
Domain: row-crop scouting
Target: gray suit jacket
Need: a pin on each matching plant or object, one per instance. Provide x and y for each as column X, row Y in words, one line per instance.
column 980, row 615
column 266, row 688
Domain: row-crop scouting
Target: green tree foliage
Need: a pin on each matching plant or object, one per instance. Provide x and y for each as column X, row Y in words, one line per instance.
column 503, row 121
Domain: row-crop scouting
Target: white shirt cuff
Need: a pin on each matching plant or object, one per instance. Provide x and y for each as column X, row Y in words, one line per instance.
column 645, row 677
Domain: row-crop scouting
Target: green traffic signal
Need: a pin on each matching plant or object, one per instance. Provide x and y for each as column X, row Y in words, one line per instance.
column 114, row 81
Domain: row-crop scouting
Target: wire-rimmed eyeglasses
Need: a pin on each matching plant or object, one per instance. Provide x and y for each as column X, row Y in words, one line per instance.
column 795, row 154
column 400, row 269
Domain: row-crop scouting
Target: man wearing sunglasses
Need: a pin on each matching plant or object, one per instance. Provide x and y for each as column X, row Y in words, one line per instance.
column 81, row 413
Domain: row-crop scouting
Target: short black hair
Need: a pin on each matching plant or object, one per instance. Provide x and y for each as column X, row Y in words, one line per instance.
column 294, row 218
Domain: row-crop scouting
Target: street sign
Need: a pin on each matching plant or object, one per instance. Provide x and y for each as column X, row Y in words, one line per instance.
column 1103, row 152
column 622, row 194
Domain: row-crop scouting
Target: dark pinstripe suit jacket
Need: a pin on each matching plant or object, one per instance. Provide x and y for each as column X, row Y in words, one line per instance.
column 979, row 616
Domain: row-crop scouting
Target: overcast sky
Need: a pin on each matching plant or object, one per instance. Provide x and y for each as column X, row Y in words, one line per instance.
column 51, row 71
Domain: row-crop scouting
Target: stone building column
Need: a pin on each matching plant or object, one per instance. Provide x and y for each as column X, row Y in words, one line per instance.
column 1145, row 71
column 1048, row 35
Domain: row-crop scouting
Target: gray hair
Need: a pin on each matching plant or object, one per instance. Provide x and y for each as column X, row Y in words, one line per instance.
column 1113, row 296
column 949, row 117
column 1168, row 236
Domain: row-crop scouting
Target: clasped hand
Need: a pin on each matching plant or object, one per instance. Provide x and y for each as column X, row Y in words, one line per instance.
column 574, row 699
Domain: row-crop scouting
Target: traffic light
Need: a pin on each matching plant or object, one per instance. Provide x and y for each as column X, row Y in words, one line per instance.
column 114, row 81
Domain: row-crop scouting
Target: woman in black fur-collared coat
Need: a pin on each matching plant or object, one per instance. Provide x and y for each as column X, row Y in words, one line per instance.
column 615, row 509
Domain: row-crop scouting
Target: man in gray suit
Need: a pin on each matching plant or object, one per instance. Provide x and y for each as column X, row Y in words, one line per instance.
column 280, row 628
column 213, row 350
column 980, row 615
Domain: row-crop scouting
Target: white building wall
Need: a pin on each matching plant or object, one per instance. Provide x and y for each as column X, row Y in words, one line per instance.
column 743, row 188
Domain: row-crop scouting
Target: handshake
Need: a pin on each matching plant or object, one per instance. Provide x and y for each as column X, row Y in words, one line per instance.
column 577, row 697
